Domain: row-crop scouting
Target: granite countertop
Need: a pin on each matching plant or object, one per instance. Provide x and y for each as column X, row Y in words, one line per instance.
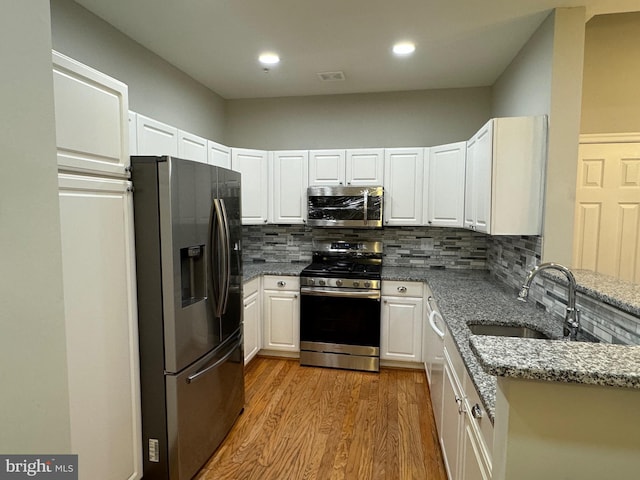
column 255, row 269
column 472, row 296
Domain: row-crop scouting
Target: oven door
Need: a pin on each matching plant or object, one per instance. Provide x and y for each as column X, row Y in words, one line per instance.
column 340, row 328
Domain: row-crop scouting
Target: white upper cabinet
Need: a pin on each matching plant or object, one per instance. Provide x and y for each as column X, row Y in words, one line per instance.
column 156, row 138
column 192, row 147
column 403, row 172
column 218, row 154
column 504, row 180
column 352, row 167
column 364, row 166
column 327, row 167
column 289, row 173
column 92, row 128
column 253, row 165
column 444, row 185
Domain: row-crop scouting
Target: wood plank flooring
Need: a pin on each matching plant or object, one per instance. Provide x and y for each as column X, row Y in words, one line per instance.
column 328, row 424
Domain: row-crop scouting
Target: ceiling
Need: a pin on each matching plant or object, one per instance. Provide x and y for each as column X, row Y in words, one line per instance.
column 459, row 43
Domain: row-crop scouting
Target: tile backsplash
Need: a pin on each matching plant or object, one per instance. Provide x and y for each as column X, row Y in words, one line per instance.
column 420, row 247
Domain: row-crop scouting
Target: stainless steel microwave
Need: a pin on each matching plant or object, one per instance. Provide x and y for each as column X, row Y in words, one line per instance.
column 355, row 207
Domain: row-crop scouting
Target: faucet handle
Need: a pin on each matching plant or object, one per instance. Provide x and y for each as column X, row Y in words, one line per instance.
column 524, row 293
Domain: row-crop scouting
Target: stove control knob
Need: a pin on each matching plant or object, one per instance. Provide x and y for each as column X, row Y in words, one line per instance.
column 338, row 283
column 367, row 284
column 356, row 283
column 321, row 282
column 311, row 281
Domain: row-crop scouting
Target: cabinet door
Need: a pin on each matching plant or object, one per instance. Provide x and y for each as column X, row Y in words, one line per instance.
column 156, row 138
column 451, row 422
column 364, row 166
column 401, row 335
column 445, row 180
column 92, row 128
column 218, row 154
column 253, row 166
column 96, row 219
column 403, row 172
column 326, row 167
column 471, row 465
column 289, row 177
column 251, row 323
column 192, row 147
column 281, row 320
column 482, row 165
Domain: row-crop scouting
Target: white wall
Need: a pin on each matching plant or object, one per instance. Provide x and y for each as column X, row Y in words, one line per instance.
column 156, row 88
column 610, row 96
column 34, row 405
column 546, row 78
column 396, row 119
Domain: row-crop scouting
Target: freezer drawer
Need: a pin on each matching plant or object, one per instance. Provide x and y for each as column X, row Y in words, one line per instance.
column 203, row 403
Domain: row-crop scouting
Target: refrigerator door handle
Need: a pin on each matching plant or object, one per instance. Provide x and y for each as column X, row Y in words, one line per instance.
column 222, row 257
column 225, row 357
column 214, row 284
column 226, row 263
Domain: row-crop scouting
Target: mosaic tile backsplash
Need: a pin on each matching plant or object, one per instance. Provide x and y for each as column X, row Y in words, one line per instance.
column 424, row 247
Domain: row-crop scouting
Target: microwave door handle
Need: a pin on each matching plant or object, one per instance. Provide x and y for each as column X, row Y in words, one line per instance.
column 366, row 205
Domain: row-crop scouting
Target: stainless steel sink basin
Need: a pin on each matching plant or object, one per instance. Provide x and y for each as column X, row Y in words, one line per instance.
column 506, row 331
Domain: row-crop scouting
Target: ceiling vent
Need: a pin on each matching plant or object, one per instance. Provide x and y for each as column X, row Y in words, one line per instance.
column 331, row 76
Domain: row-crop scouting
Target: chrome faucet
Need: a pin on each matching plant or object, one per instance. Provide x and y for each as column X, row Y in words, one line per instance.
column 572, row 315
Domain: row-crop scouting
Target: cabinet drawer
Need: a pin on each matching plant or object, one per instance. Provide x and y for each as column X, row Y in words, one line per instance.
column 281, row 283
column 483, row 423
column 251, row 287
column 402, row 289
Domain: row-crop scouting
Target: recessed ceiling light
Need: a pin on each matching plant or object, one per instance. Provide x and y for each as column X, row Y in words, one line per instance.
column 404, row 48
column 269, row 58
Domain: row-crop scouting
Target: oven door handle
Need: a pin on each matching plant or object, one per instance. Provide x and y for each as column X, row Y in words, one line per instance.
column 326, row 292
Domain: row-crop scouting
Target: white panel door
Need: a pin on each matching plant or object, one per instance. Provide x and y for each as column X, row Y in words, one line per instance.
column 469, row 186
column 482, row 173
column 281, row 320
column 401, row 335
column 607, row 219
column 364, row 166
column 403, row 172
column 289, row 176
column 156, row 138
column 219, row 155
column 444, row 194
column 192, row 147
column 96, row 218
column 253, row 166
column 326, row 167
column 251, row 326
column 92, row 128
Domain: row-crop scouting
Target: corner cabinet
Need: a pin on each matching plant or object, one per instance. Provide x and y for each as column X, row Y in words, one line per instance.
column 401, row 321
column 281, row 313
column 505, row 176
column 252, row 319
column 253, row 166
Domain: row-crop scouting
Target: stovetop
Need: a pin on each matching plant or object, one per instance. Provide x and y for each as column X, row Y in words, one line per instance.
column 343, row 269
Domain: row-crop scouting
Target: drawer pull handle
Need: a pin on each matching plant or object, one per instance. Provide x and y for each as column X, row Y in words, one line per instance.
column 402, row 289
column 476, row 411
column 459, row 402
column 281, row 283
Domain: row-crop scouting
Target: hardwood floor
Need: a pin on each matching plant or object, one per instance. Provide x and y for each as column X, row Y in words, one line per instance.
column 327, row 424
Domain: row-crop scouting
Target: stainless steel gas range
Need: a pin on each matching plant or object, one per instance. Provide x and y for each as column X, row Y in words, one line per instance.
column 340, row 306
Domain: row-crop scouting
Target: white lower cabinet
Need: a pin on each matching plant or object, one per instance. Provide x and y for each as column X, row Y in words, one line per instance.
column 401, row 321
column 252, row 319
column 466, row 434
column 281, row 313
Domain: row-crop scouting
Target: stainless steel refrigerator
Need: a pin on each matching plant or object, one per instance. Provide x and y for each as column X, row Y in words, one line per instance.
column 189, row 279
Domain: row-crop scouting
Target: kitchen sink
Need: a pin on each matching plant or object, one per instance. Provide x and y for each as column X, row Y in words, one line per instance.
column 506, row 331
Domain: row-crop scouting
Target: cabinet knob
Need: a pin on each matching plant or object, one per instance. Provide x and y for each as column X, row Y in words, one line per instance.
column 265, row 220
column 459, row 402
column 429, row 222
column 476, row 411
column 295, row 295
column 281, row 283
column 402, row 289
